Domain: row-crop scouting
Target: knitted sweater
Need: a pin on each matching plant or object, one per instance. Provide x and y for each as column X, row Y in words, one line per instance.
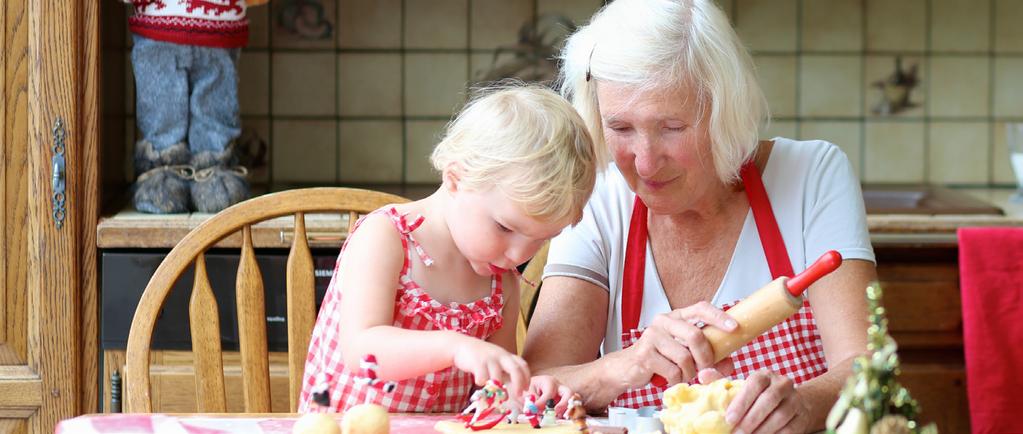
column 210, row 23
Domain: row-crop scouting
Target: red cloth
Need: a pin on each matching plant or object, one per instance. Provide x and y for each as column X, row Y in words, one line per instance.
column 991, row 281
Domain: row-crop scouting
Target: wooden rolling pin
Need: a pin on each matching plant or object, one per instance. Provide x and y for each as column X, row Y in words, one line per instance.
column 765, row 308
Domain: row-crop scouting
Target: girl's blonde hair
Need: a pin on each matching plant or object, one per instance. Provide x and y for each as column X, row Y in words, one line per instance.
column 659, row 45
column 529, row 142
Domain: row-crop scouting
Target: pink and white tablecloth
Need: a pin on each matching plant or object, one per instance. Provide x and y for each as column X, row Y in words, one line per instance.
column 213, row 424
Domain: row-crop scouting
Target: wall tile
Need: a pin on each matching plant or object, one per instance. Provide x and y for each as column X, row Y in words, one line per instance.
column 832, row 25
column 423, row 136
column 435, row 83
column 436, row 23
column 304, row 24
column 304, row 83
column 777, row 75
column 256, row 129
column 897, row 25
column 960, row 86
column 767, row 25
column 496, row 23
column 894, row 152
column 785, row 129
column 482, row 64
column 847, row 135
column 369, row 24
column 304, row 151
column 958, row 153
column 371, row 151
column 726, row 7
column 579, row 11
column 259, row 26
column 1008, row 30
column 879, row 69
column 1009, row 86
column 960, row 25
column 254, row 83
column 369, row 84
column 830, row 86
column 1002, row 173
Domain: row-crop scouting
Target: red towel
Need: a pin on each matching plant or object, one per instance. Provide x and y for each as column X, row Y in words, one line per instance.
column 991, row 281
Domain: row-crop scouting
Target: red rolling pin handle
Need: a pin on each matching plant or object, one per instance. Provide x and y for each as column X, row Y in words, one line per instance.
column 827, row 263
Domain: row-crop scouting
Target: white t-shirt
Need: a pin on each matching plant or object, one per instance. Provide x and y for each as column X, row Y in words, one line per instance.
column 816, row 201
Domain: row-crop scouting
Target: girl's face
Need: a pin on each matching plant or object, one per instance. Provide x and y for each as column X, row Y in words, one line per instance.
column 492, row 232
column 660, row 144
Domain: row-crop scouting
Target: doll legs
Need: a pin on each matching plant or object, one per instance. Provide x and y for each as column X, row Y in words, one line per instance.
column 214, row 126
column 161, row 109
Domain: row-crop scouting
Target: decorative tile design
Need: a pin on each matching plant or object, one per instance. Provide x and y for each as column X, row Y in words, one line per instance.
column 832, row 25
column 304, row 25
column 878, row 72
column 371, row 152
column 958, row 152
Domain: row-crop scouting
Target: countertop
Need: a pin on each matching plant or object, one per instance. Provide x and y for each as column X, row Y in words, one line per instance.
column 131, row 229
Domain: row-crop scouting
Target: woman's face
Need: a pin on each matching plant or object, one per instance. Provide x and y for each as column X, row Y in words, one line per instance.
column 660, row 144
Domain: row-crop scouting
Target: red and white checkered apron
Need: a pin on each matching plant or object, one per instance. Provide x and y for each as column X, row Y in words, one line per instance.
column 792, row 348
column 446, row 390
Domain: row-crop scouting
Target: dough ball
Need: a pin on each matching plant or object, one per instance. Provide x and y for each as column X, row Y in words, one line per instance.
column 366, row 419
column 698, row 408
column 316, row 423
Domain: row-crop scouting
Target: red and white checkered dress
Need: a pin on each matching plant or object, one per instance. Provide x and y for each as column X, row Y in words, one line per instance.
column 792, row 348
column 446, row 390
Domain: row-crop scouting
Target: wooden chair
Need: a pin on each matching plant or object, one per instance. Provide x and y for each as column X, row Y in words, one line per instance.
column 528, row 294
column 203, row 316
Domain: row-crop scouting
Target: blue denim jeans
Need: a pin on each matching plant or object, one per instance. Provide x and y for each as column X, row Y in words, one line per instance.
column 186, row 93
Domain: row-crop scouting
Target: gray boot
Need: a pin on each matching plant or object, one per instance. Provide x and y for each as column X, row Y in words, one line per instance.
column 162, row 177
column 218, row 182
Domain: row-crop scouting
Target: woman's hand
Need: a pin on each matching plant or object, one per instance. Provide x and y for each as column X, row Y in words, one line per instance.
column 546, row 387
column 487, row 361
column 767, row 403
column 673, row 346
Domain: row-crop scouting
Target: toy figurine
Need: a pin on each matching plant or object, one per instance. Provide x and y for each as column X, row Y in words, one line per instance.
column 482, row 403
column 530, row 411
column 185, row 58
column 577, row 413
column 550, row 418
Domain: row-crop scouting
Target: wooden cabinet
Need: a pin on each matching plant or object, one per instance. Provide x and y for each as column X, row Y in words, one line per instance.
column 921, row 294
column 49, row 198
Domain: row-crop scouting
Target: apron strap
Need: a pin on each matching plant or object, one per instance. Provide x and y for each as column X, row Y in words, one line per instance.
column 635, row 267
column 770, row 236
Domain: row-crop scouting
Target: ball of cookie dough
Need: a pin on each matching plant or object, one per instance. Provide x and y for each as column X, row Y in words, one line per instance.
column 316, row 423
column 366, row 419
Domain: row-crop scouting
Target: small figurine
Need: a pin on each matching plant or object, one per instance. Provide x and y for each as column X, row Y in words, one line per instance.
column 530, row 411
column 577, row 413
column 483, row 402
column 550, row 418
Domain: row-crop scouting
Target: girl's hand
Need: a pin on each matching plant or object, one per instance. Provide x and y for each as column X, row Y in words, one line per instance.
column 488, row 361
column 767, row 403
column 673, row 346
column 546, row 387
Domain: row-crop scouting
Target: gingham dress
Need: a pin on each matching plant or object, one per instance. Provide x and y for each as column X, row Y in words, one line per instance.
column 446, row 390
column 792, row 348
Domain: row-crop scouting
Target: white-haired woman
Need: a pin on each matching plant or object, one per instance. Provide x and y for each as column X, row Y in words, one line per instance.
column 695, row 214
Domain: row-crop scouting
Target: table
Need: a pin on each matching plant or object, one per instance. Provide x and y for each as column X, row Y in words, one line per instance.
column 254, row 423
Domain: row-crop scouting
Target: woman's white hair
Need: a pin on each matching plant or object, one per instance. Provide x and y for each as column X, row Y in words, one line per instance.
column 658, row 45
column 527, row 141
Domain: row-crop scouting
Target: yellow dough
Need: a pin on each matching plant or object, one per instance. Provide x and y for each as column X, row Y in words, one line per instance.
column 457, row 427
column 698, row 408
column 366, row 419
column 316, row 423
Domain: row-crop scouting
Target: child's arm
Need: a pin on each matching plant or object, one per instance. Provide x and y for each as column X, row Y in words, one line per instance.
column 369, row 271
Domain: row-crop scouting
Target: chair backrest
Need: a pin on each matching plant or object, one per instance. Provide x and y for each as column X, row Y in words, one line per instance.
column 203, row 315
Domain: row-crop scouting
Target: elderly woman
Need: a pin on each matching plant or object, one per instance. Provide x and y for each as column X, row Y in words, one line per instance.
column 695, row 214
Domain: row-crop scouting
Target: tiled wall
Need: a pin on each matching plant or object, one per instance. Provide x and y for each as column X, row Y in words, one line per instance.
column 365, row 103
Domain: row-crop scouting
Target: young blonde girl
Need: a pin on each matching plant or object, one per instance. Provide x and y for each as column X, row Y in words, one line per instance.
column 429, row 287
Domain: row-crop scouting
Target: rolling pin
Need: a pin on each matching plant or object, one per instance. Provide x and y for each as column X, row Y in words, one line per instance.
column 765, row 308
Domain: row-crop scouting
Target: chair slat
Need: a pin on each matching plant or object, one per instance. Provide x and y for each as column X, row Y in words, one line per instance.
column 205, row 323
column 301, row 307
column 252, row 329
column 353, row 216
